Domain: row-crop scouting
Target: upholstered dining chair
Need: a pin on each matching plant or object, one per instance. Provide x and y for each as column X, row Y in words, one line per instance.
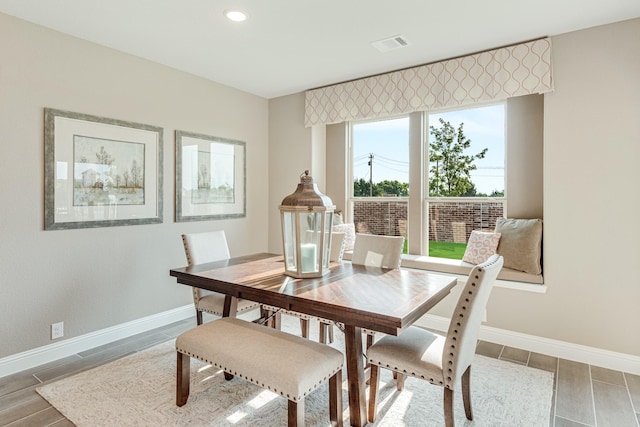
column 208, row 247
column 377, row 251
column 337, row 246
column 443, row 360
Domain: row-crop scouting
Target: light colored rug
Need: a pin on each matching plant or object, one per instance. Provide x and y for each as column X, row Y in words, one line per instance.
column 139, row 390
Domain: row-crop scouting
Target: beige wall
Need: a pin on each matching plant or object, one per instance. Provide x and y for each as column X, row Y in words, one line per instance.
column 525, row 125
column 290, row 154
column 337, row 167
column 591, row 147
column 96, row 278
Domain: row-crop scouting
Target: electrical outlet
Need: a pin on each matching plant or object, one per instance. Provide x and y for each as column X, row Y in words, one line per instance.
column 57, row 330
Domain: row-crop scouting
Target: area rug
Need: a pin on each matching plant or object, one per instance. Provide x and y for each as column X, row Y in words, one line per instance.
column 139, row 390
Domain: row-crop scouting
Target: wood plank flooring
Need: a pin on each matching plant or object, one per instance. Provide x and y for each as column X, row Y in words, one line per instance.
column 584, row 395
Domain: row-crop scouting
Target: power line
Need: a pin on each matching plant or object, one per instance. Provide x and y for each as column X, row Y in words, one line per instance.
column 393, row 169
column 392, row 160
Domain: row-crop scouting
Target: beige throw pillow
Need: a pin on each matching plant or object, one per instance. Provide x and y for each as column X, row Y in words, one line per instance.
column 480, row 247
column 520, row 243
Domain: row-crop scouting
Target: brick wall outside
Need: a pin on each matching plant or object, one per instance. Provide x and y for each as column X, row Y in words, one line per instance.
column 454, row 221
column 384, row 217
column 448, row 221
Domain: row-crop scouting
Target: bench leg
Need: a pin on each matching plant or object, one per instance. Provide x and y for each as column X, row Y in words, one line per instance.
column 335, row 399
column 296, row 414
column 182, row 378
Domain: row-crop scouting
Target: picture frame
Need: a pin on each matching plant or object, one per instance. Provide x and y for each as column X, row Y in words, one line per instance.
column 100, row 172
column 210, row 177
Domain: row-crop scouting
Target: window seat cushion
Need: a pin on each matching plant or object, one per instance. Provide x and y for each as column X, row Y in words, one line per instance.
column 456, row 266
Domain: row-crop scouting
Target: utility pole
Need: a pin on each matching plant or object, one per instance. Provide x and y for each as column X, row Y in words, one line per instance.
column 370, row 174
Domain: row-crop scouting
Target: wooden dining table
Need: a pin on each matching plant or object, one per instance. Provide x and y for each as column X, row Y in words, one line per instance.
column 358, row 297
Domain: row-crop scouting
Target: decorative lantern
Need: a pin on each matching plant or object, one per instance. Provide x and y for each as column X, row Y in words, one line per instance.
column 307, row 219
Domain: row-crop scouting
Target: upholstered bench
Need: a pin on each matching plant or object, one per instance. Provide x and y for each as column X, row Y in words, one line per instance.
column 286, row 364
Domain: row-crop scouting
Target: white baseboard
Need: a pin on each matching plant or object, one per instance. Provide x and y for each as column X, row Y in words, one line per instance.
column 576, row 352
column 48, row 353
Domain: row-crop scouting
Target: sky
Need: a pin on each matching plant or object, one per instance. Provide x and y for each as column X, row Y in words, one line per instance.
column 388, row 140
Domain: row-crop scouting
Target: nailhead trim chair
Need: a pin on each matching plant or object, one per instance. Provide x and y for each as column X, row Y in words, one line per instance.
column 208, row 247
column 286, row 364
column 439, row 359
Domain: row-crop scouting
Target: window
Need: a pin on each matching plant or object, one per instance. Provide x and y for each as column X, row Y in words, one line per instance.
column 380, row 176
column 466, row 181
column 463, row 164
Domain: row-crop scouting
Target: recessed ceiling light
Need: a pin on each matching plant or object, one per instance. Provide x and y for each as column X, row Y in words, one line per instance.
column 235, row 15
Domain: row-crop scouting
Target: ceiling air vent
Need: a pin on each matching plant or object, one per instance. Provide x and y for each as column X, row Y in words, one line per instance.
column 391, row 43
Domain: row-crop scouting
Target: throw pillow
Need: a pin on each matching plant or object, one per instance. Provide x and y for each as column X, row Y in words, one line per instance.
column 349, row 231
column 481, row 246
column 520, row 243
column 337, row 218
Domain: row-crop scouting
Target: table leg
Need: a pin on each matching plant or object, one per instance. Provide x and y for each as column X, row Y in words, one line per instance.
column 230, row 310
column 230, row 306
column 355, row 376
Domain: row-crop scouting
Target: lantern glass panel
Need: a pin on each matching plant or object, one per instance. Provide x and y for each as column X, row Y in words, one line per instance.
column 289, row 240
column 328, row 225
column 310, row 229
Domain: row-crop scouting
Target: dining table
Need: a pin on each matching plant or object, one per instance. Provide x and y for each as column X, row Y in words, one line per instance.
column 355, row 296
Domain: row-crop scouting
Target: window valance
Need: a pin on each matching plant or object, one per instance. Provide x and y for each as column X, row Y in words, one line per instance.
column 493, row 75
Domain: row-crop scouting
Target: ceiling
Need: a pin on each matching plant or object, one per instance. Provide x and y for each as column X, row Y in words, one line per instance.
column 288, row 46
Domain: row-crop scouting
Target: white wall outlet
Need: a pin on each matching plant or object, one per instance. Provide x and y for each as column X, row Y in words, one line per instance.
column 57, row 330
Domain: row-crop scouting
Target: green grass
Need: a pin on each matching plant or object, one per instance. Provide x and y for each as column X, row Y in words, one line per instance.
column 447, row 249
column 442, row 249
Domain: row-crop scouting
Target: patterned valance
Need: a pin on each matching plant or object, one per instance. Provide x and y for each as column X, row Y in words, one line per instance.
column 493, row 75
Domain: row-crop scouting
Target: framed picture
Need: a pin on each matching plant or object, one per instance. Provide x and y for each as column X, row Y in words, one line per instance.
column 100, row 172
column 210, row 177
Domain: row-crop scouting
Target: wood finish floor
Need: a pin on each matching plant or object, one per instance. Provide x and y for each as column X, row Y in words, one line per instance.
column 584, row 395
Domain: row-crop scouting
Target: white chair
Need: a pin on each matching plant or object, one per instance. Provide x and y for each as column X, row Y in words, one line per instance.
column 206, row 247
column 377, row 251
column 443, row 360
column 337, row 246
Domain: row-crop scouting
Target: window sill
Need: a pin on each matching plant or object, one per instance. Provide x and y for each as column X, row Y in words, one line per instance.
column 508, row 278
